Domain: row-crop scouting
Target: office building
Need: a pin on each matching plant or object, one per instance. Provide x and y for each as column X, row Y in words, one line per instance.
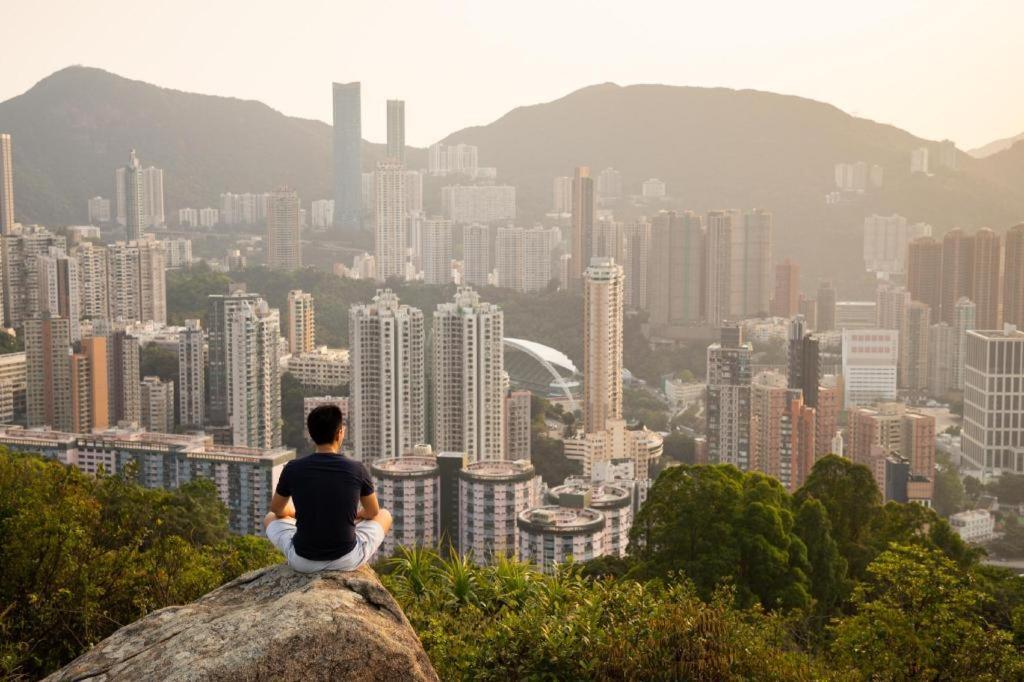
column 870, row 360
column 518, row 420
column 1013, row 276
column 245, row 478
column 137, row 281
column 782, row 431
column 729, row 377
column 986, row 282
column 582, row 234
column 602, row 343
column 6, row 186
column 957, row 271
column 390, row 231
column 301, row 324
column 468, row 378
column 492, row 494
column 191, row 375
column 396, row 130
column 552, row 534
column 322, row 368
column 924, row 272
column 885, row 242
column 825, row 307
column 676, row 266
column 993, row 431
column 220, row 310
column 914, row 335
column 410, row 488
column 856, row 315
column 348, row 156
column 786, row 297
column 48, row 371
column 284, row 247
column 386, row 342
column 20, row 261
column 751, row 271
column 157, row 401
column 254, row 377
column 476, row 255
column 437, row 251
column 479, row 203
column 718, row 274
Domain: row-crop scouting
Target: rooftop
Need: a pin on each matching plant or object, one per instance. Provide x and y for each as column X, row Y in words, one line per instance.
column 557, row 519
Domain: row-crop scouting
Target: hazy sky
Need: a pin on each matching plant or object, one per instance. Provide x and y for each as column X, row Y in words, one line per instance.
column 937, row 68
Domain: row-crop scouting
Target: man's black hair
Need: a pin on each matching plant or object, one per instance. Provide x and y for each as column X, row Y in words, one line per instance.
column 323, row 423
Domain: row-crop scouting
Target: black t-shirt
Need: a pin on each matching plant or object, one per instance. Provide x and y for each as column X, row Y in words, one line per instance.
column 325, row 489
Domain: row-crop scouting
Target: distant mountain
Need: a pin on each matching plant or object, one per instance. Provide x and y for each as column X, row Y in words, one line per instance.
column 995, row 147
column 714, row 148
column 73, row 128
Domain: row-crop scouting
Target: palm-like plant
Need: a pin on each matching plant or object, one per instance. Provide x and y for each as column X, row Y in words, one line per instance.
column 414, row 568
column 461, row 580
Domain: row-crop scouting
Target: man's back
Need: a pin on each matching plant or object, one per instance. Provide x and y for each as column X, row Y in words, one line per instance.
column 326, row 489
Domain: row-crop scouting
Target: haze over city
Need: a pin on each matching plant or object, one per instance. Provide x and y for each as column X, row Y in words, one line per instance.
column 938, row 69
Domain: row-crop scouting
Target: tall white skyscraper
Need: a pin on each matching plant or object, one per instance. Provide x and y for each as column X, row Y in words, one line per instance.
column 396, row 130
column 131, row 200
column 386, row 342
column 476, row 254
column 6, row 185
column 284, row 248
column 301, row 322
column 254, row 376
column 468, row 377
column 870, row 358
column 437, row 251
column 191, row 375
column 137, row 281
column 390, row 233
column 153, row 197
column 537, row 248
column 509, row 257
column 602, row 343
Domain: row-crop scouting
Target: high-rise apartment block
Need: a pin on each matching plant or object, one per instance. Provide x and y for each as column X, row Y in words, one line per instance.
column 751, row 271
column 157, row 400
column 986, row 283
column 602, row 343
column 301, row 322
column 284, row 247
column 6, row 186
column 455, row 159
column 825, row 307
column 410, row 487
column 518, row 420
column 636, row 263
column 957, row 270
column 993, row 432
column 964, row 320
column 348, row 156
column 782, row 430
column 729, row 377
column 718, row 268
column 609, row 184
column 20, row 261
column 137, row 274
column 886, row 239
column 1013, row 276
column 191, row 375
column 98, row 211
column 552, row 534
column 476, row 254
column 123, row 363
column 139, row 196
column 48, row 350
column 479, row 203
column 437, row 251
column 888, row 429
column 468, row 378
column 220, row 311
column 59, row 288
column 914, row 334
column 386, row 341
column 254, row 376
column 582, row 224
column 492, row 494
column 924, row 273
column 561, row 197
column 941, row 358
column 396, row 130
column 390, row 232
column 676, row 268
column 786, row 297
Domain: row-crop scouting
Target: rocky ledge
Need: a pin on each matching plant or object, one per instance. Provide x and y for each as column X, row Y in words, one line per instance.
column 272, row 623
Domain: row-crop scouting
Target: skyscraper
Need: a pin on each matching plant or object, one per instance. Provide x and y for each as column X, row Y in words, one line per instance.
column 284, row 248
column 468, row 368
column 254, row 376
column 964, row 319
column 96, row 354
column 957, row 271
column 6, row 185
column 476, row 254
column 123, row 363
column 386, row 341
column 508, row 257
column 676, row 265
column 941, row 358
column 537, row 247
column 220, row 309
column 782, row 430
column 390, row 233
column 924, row 272
column 20, row 263
column 602, row 343
column 137, row 275
column 913, row 364
column 636, row 262
column 59, row 291
column 47, row 351
column 157, row 400
column 719, row 262
column 728, row 399
column 133, row 196
column 891, row 305
column 92, row 265
column 191, row 375
column 825, row 307
column 437, row 251
column 517, row 425
column 987, row 279
column 751, row 262
column 786, row 297
column 301, row 322
column 582, row 223
column 993, row 433
column 804, row 366
column 396, row 130
column 348, row 156
column 870, row 360
column 1013, row 276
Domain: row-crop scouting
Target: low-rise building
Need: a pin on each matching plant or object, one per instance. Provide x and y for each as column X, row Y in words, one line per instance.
column 973, row 525
column 322, row 368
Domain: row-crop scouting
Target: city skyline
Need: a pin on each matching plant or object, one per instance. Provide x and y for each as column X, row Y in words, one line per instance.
column 878, row 49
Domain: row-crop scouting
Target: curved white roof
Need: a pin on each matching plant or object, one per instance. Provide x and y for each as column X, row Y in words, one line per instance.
column 546, row 353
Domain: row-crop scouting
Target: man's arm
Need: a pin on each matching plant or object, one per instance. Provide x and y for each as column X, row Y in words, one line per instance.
column 368, row 507
column 282, row 507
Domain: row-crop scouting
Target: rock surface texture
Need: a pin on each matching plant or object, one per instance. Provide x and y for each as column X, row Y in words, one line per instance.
column 271, row 624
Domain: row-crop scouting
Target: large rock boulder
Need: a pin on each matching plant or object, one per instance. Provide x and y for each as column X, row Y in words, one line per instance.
column 272, row 623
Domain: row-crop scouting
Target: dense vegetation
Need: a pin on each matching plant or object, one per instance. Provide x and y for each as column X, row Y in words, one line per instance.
column 727, row 576
column 82, row 556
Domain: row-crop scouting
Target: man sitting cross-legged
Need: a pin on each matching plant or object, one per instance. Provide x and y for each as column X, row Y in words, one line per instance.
column 324, row 515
